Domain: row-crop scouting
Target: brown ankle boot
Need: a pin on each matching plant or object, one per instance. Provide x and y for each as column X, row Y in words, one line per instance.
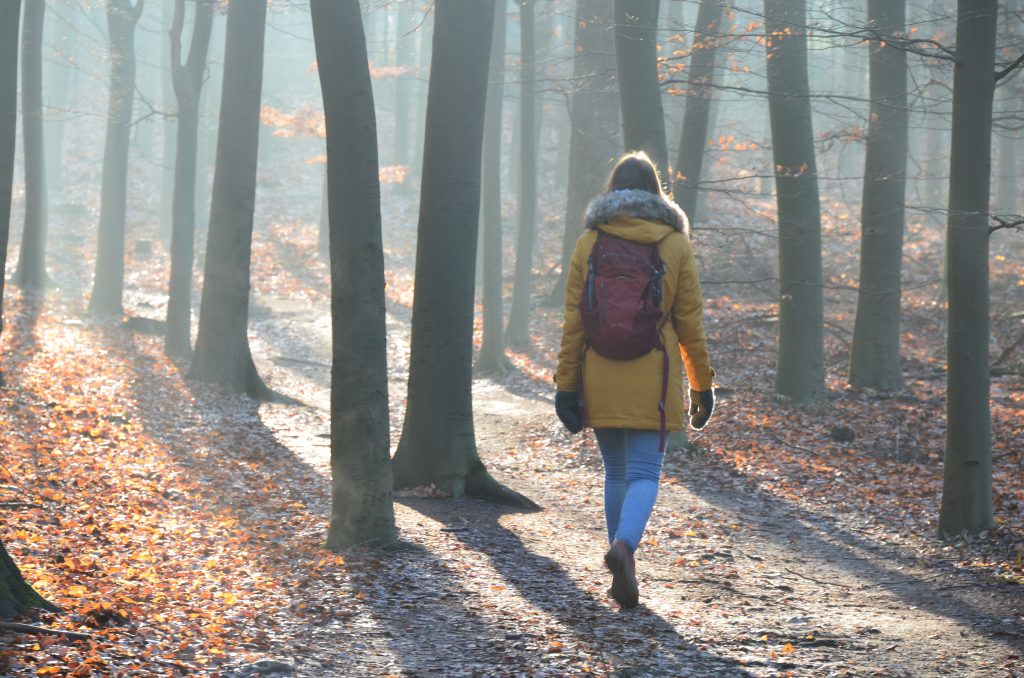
column 619, row 560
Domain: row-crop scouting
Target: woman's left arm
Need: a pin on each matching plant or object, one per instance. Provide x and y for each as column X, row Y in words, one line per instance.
column 688, row 321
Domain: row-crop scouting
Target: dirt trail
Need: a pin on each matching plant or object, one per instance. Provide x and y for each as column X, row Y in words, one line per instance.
column 733, row 581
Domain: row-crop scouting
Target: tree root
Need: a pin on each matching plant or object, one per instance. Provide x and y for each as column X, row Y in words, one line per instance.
column 481, row 485
column 29, row 628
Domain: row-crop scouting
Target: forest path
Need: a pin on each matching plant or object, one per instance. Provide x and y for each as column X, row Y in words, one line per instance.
column 734, row 581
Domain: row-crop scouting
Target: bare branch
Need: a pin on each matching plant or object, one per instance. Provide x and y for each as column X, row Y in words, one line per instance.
column 1004, row 222
column 1011, row 68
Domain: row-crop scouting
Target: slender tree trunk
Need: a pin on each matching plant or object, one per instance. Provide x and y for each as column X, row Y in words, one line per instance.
column 58, row 80
column 108, row 283
column 492, row 359
column 10, row 15
column 361, row 511
column 1006, row 188
column 170, row 104
column 636, row 52
column 967, row 471
column 518, row 331
column 31, row 273
column 188, row 85
column 800, row 370
column 222, row 354
column 425, row 31
column 701, row 75
column 875, row 357
column 405, row 43
column 594, row 117
column 438, row 444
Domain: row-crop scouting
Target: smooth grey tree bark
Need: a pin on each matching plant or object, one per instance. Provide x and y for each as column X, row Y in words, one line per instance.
column 405, row 56
column 361, row 482
column 31, row 272
column 800, row 369
column 636, row 53
column 222, row 355
column 697, row 115
column 1006, row 187
column 108, row 281
column 16, row 595
column 967, row 468
column 492, row 359
column 517, row 333
column 169, row 102
column 187, row 79
column 10, row 20
column 875, row 355
column 596, row 137
column 58, row 78
column 438, row 444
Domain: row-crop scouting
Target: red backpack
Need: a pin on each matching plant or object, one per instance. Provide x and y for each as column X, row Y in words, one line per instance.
column 621, row 304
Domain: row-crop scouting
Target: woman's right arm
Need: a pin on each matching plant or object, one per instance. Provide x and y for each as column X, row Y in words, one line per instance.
column 567, row 375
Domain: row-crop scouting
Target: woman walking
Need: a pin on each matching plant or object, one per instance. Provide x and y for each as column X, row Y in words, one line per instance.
column 632, row 296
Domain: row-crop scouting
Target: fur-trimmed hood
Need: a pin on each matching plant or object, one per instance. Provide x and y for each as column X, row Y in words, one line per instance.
column 635, row 203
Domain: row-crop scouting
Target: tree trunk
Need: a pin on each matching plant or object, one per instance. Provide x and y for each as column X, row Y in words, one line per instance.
column 16, row 596
column 636, row 53
column 405, row 55
column 1006, row 188
column 10, row 14
column 323, row 237
column 594, row 116
column 222, row 354
column 875, row 357
column 425, row 31
column 31, row 273
column 492, row 359
column 438, row 444
column 800, row 372
column 188, row 84
column 170, row 124
column 701, row 74
column 361, row 511
column 967, row 471
column 108, row 283
column 518, row 331
column 58, row 80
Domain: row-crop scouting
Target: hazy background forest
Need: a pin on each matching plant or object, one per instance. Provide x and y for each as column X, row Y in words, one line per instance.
column 215, row 349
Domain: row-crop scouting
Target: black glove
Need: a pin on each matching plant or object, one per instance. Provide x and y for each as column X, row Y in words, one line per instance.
column 702, row 404
column 567, row 406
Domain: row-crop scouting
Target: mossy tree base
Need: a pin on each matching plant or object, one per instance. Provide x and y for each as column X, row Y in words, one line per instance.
column 16, row 596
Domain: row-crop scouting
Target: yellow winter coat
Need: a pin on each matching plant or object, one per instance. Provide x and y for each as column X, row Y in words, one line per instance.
column 625, row 393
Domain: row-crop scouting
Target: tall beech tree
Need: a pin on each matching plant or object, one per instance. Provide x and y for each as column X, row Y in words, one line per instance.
column 10, row 16
column 518, row 331
column 636, row 53
column 58, row 77
column 492, row 359
column 438, row 444
column 222, row 353
column 875, row 356
column 187, row 78
column 361, row 510
column 697, row 114
column 596, row 136
column 967, row 468
column 108, row 282
column 31, row 272
column 16, row 595
column 800, row 368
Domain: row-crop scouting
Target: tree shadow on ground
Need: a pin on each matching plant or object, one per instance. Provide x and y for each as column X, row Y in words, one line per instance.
column 824, row 543
column 22, row 310
column 635, row 642
column 409, row 598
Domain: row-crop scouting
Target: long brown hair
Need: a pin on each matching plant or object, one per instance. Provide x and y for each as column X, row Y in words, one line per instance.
column 637, row 171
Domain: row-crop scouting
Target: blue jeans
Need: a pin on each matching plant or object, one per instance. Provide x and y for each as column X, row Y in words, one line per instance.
column 632, row 467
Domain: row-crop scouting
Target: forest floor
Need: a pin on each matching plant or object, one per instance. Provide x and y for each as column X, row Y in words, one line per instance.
column 182, row 528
